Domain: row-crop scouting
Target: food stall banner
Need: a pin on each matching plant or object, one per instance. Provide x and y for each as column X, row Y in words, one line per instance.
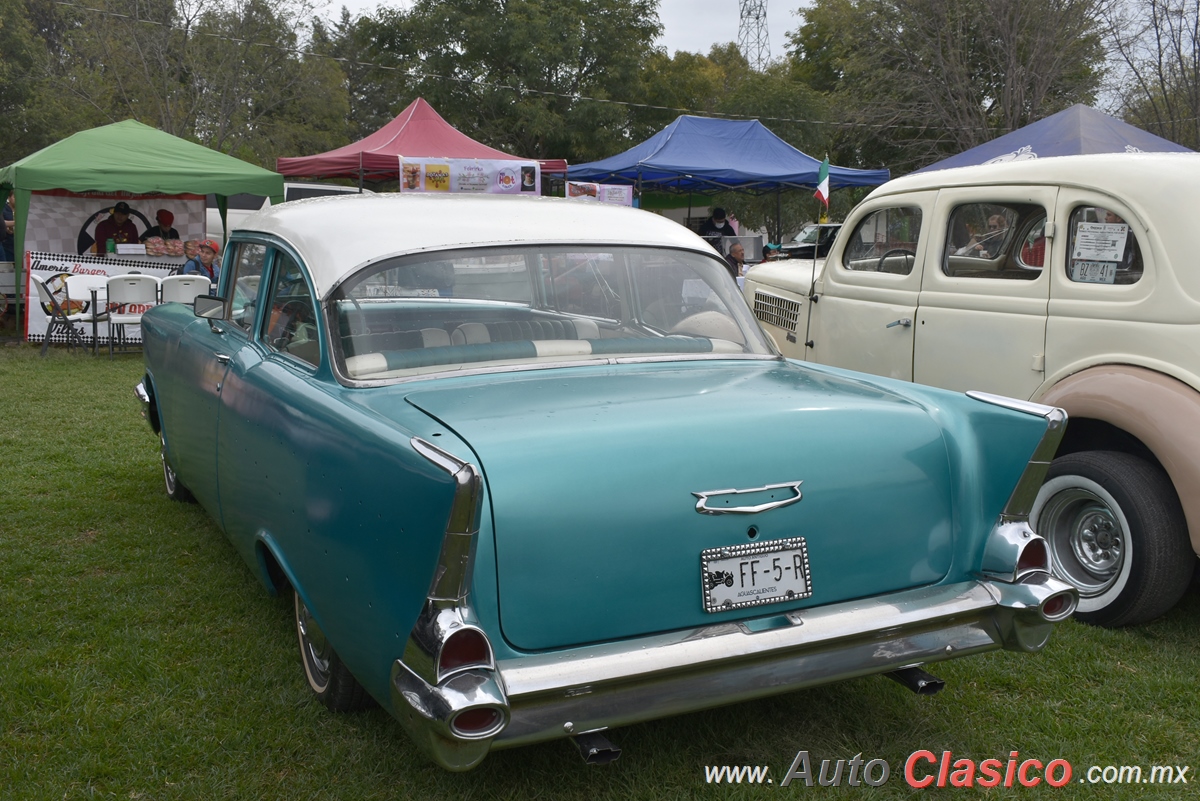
column 65, row 222
column 475, row 176
column 615, row 194
column 70, row 279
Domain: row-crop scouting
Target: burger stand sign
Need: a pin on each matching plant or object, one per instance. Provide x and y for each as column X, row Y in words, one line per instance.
column 61, row 249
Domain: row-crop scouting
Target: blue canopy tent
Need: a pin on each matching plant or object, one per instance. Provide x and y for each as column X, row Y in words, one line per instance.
column 1072, row 132
column 700, row 154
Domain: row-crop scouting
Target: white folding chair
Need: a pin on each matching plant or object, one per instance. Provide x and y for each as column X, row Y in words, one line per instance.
column 60, row 321
column 128, row 297
column 183, row 288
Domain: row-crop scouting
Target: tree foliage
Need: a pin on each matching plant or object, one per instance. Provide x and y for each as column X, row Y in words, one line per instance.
column 1157, row 44
column 916, row 80
column 226, row 73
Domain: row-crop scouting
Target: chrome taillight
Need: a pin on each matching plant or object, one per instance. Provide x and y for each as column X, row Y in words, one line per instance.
column 465, row 648
column 477, row 722
column 1034, row 556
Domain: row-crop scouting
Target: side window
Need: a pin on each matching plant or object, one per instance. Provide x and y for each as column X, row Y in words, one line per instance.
column 291, row 325
column 248, row 263
column 995, row 240
column 885, row 241
column 1103, row 248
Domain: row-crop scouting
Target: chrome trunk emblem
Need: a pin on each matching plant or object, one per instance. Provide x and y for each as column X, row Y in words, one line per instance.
column 773, row 496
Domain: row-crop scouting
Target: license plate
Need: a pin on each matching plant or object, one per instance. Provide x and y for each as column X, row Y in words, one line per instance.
column 754, row 574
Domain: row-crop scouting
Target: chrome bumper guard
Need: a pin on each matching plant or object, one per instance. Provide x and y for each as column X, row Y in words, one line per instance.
column 616, row 684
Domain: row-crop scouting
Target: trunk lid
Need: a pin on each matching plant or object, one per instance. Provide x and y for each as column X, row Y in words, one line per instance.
column 591, row 473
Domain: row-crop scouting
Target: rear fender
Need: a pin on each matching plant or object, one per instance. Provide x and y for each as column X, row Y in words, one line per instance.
column 1163, row 413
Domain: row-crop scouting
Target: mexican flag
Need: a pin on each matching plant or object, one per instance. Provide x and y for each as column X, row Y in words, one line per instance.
column 822, row 193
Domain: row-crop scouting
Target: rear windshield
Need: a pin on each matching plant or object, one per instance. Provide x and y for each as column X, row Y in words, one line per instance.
column 455, row 310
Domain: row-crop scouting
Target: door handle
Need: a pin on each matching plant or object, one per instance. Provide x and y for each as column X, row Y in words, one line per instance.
column 903, row 321
column 223, row 358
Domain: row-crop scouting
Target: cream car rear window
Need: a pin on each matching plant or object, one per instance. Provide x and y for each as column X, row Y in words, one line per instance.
column 1103, row 248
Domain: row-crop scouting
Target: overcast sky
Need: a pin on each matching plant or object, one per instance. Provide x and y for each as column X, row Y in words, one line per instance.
column 691, row 25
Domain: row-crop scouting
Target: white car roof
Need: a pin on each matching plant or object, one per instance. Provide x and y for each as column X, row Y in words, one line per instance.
column 1116, row 173
column 336, row 235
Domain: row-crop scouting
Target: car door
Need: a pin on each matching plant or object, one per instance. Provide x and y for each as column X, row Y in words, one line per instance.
column 867, row 296
column 984, row 293
column 206, row 348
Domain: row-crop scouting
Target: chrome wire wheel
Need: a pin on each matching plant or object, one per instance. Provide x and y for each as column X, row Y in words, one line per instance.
column 314, row 648
column 1088, row 540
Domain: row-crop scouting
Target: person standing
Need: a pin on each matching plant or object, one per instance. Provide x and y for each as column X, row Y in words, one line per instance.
column 717, row 225
column 117, row 227
column 8, row 247
column 204, row 262
column 163, row 230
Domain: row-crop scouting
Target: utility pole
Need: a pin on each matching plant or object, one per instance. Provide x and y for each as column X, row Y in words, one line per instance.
column 752, row 34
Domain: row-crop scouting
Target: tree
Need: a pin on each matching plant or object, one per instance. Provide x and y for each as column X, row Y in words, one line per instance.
column 227, row 73
column 513, row 73
column 921, row 79
column 1157, row 43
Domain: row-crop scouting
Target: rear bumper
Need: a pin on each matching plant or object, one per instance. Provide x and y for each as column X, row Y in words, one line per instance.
column 615, row 684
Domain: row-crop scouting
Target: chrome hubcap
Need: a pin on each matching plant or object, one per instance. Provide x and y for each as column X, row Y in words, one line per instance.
column 1086, row 539
column 168, row 471
column 313, row 645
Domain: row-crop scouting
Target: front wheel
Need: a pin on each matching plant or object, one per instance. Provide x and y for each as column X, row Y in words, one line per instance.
column 327, row 677
column 1117, row 533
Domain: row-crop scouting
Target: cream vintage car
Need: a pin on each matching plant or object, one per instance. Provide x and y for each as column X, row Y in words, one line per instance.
column 1067, row 281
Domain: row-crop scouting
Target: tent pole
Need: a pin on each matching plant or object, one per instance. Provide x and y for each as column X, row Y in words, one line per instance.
column 779, row 215
column 360, row 173
column 689, row 217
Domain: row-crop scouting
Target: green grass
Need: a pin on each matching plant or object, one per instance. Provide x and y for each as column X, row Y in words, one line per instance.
column 140, row 659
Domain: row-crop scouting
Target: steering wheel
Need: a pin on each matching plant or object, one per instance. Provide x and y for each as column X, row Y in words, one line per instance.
column 893, row 252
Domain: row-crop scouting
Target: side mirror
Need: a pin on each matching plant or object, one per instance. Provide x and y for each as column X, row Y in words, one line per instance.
column 208, row 307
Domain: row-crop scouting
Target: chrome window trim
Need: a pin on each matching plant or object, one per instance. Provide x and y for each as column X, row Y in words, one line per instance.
column 602, row 361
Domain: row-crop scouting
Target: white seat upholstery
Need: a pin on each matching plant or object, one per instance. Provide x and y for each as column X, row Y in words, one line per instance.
column 129, row 296
column 183, row 288
column 434, row 338
column 586, row 329
column 471, row 334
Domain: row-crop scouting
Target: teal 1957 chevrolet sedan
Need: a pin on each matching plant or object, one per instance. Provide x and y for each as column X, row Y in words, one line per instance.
column 530, row 469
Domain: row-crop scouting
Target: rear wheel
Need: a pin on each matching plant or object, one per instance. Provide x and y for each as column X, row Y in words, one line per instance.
column 175, row 490
column 327, row 677
column 1117, row 533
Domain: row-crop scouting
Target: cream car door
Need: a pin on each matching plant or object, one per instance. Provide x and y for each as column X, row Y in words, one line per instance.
column 984, row 293
column 866, row 299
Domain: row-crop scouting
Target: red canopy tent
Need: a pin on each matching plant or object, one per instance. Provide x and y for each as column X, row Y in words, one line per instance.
column 417, row 132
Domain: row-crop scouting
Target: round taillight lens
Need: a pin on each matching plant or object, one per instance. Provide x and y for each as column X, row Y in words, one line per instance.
column 474, row 722
column 1058, row 606
column 465, row 648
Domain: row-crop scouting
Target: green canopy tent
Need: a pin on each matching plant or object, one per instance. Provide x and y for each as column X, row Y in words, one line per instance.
column 131, row 157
